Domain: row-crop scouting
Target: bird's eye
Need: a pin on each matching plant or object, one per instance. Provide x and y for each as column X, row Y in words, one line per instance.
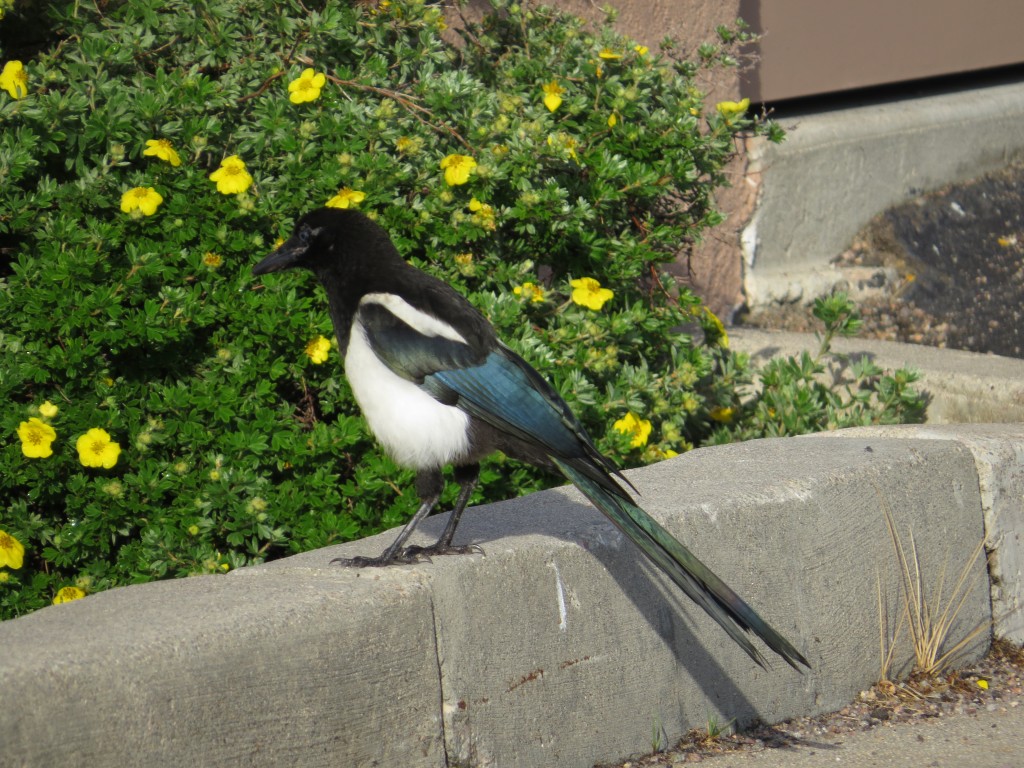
column 308, row 234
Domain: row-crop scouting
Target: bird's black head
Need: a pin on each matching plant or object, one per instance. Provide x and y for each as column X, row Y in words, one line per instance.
column 330, row 239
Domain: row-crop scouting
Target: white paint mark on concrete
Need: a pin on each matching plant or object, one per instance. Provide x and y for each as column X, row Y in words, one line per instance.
column 560, row 590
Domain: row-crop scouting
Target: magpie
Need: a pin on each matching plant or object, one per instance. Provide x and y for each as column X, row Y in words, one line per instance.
column 438, row 388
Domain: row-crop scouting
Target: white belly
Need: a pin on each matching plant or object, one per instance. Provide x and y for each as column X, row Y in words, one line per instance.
column 416, row 430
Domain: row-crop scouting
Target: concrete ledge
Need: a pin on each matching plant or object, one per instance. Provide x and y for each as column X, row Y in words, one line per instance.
column 838, row 169
column 286, row 669
column 966, row 387
column 559, row 647
column 998, row 451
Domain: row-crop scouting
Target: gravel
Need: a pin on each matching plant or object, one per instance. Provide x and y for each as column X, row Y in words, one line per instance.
column 946, row 270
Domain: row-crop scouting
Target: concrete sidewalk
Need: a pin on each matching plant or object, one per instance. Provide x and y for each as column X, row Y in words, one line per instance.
column 983, row 740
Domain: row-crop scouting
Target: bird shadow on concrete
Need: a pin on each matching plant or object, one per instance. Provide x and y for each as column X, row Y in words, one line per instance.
column 667, row 611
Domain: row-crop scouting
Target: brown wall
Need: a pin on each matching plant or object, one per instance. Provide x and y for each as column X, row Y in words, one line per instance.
column 821, row 46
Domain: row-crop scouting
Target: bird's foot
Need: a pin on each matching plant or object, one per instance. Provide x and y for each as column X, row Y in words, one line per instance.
column 399, row 558
column 425, row 553
column 406, row 556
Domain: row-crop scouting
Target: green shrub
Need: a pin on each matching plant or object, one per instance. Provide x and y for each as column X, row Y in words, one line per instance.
column 126, row 298
column 814, row 393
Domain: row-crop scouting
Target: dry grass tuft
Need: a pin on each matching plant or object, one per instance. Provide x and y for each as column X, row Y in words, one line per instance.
column 929, row 620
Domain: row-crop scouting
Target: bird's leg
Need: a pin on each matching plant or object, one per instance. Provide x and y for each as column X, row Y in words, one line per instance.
column 466, row 477
column 428, row 485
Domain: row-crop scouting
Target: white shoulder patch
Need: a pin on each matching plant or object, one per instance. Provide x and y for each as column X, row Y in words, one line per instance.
column 417, row 430
column 420, row 321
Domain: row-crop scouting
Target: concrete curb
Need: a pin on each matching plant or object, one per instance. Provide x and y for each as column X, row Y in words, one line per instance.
column 559, row 647
column 838, row 169
column 966, row 387
column 998, row 452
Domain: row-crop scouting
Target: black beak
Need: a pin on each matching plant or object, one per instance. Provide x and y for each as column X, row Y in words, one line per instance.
column 285, row 257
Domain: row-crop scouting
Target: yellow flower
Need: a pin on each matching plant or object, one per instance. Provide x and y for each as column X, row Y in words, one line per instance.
column 464, row 261
column 67, row 594
column 232, row 178
column 162, row 149
column 212, row 260
column 587, row 292
column 608, row 54
column 721, row 415
column 48, row 410
column 437, row 19
column 483, row 214
column 612, row 120
column 36, row 437
column 983, row 684
column 564, row 142
column 346, row 198
column 96, row 449
column 317, row 350
column 530, row 291
column 552, row 95
column 719, row 328
column 636, row 428
column 457, row 169
column 145, row 200
column 641, row 49
column 668, row 453
column 14, row 79
column 306, row 87
column 408, row 145
column 732, row 109
column 12, row 553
